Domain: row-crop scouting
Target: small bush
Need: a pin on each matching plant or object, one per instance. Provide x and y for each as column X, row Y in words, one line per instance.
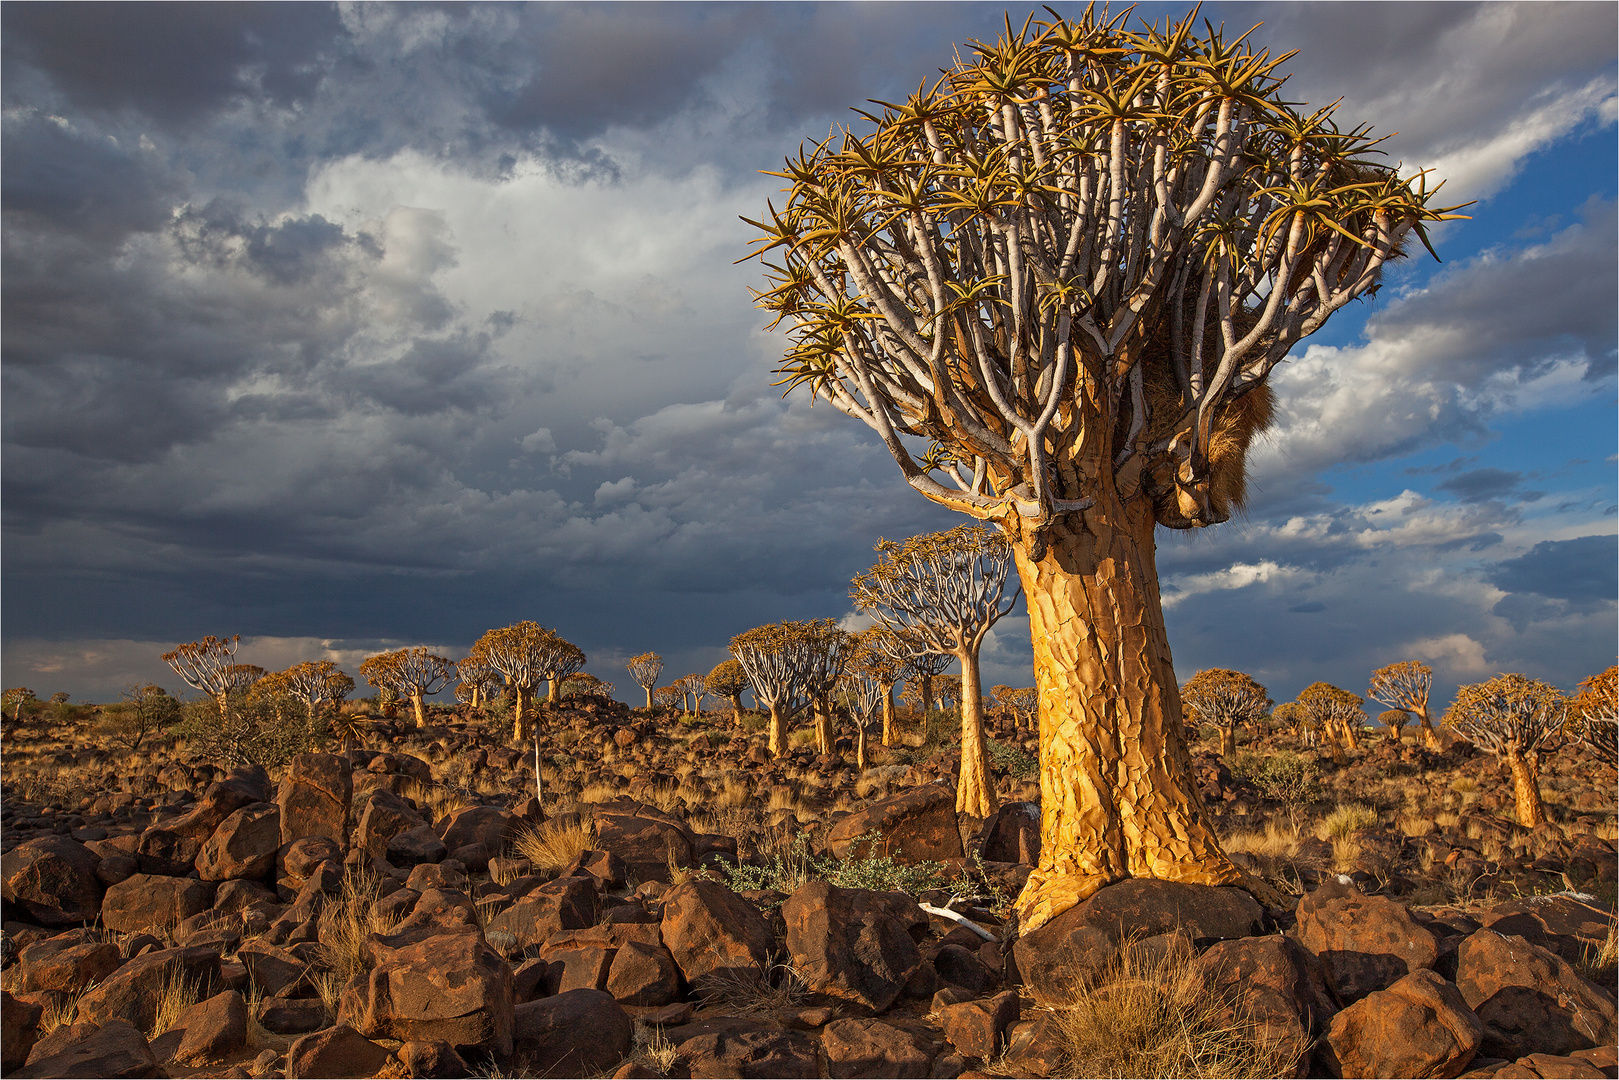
column 786, row 871
column 1346, row 818
column 1014, row 761
column 248, row 731
column 1286, row 778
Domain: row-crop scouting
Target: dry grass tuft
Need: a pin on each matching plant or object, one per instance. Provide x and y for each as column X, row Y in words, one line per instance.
column 1344, row 819
column 1162, row 1017
column 777, row 987
column 652, row 1051
column 553, row 845
column 177, row 994
column 345, row 924
column 439, row 801
column 598, row 793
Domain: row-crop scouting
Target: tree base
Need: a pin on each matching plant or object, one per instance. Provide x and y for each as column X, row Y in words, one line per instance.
column 1048, row 893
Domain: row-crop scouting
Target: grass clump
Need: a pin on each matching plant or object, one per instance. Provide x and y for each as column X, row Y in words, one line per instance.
column 345, row 923
column 177, row 994
column 553, row 845
column 1164, row 1016
column 1344, row 819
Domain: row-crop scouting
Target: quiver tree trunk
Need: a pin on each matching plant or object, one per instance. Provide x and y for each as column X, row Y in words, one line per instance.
column 1228, row 740
column 736, row 709
column 888, row 716
column 778, row 732
column 522, row 712
column 1427, row 736
column 419, row 708
column 823, row 723
column 975, row 786
column 1118, row 795
column 1526, row 788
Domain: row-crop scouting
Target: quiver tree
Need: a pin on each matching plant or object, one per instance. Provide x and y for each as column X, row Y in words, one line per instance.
column 693, row 688
column 1224, row 699
column 1070, row 267
column 1023, row 702
column 777, row 659
column 863, row 687
column 559, row 660
column 1594, row 714
column 520, row 652
column 412, row 673
column 584, row 684
column 1295, row 716
column 883, row 657
column 1338, row 713
column 944, row 591
column 317, row 683
column 477, row 681
column 825, row 649
column 921, row 668
column 1516, row 718
column 669, row 697
column 645, row 669
column 210, row 666
column 728, row 681
column 1394, row 722
column 1405, row 685
column 14, row 700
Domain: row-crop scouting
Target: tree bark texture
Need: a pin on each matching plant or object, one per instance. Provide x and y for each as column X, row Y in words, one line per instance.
column 1428, row 737
column 778, row 732
column 975, row 787
column 823, row 724
column 1228, row 740
column 521, row 720
column 888, row 716
column 421, row 710
column 1118, row 795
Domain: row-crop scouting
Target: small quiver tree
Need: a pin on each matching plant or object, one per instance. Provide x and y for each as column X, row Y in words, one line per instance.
column 645, row 669
column 775, row 659
column 669, row 697
column 412, row 673
column 1023, row 702
column 1338, row 714
column 1294, row 716
column 921, row 668
column 1517, row 719
column 1072, row 266
column 694, row 688
column 14, row 701
column 584, row 684
column 1224, row 698
column 825, row 649
column 478, row 682
column 560, row 658
column 520, row 653
column 210, row 666
column 1594, row 715
column 318, row 684
column 728, row 681
column 1405, row 685
column 862, row 689
column 1394, row 722
column 884, row 654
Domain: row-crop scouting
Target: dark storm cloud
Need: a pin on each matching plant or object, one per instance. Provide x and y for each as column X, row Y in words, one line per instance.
column 86, row 186
column 171, row 62
column 1583, row 571
column 1478, row 485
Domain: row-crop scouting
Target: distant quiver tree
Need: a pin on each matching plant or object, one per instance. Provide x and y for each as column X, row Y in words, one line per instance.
column 728, row 681
column 1055, row 284
column 645, row 669
column 1405, row 685
column 412, row 673
column 1516, row 718
column 1594, row 714
column 1225, row 699
column 210, row 666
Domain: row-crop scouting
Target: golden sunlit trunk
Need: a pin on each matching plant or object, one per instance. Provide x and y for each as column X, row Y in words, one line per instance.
column 1118, row 798
column 1525, row 790
column 888, row 716
column 1228, row 740
column 778, row 732
column 823, row 724
column 975, row 787
column 860, row 746
column 736, row 709
column 1351, row 733
column 420, row 709
column 521, row 719
column 1428, row 737
column 649, row 697
column 556, row 691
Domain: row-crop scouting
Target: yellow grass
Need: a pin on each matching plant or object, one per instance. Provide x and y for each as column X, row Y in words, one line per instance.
column 553, row 845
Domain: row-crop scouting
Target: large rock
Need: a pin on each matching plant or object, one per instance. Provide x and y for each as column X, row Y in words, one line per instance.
column 871, row 1048
column 67, row 963
column 491, row 826
column 916, row 826
column 19, row 1027
column 1561, row 924
column 243, row 787
column 336, row 1052
column 244, row 846
column 1278, row 983
column 978, row 1028
column 848, row 946
column 213, row 1029
column 134, row 991
column 1061, row 957
column 646, row 839
column 445, row 987
column 644, row 975
column 380, row 816
column 145, row 901
column 314, row 798
column 1530, row 1000
column 1012, row 835
column 166, row 853
column 52, row 879
column 564, row 904
column 714, row 934
column 1365, row 943
column 1418, row 1027
column 112, row 1049
column 578, row 1033
column 740, row 1046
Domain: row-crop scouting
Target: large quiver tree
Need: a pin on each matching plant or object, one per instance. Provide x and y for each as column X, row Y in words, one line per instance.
column 1071, row 266
column 1594, row 714
column 412, row 673
column 210, row 665
column 1517, row 719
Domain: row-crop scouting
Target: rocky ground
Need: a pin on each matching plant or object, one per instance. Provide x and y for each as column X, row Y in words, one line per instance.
column 672, row 902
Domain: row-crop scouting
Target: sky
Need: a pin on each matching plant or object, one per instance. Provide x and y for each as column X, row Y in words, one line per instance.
column 350, row 328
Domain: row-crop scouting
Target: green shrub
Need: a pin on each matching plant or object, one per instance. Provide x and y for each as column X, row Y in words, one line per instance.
column 1287, row 778
column 249, row 731
column 879, row 873
column 1015, row 761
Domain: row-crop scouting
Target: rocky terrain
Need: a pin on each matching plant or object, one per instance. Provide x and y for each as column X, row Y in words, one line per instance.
column 672, row 902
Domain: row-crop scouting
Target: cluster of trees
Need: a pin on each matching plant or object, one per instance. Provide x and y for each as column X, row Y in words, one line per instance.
column 1512, row 716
